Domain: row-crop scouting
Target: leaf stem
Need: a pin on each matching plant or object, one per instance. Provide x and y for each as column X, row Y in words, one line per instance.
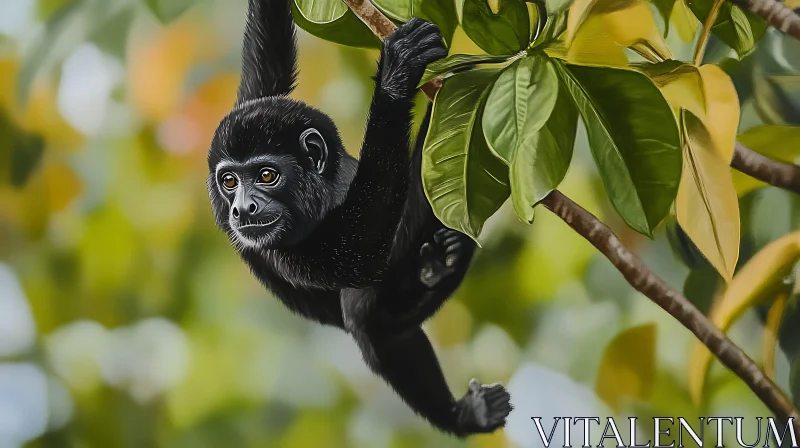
column 700, row 49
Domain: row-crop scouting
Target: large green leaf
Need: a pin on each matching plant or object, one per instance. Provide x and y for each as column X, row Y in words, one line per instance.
column 504, row 32
column 543, row 158
column 464, row 182
column 517, row 109
column 739, row 29
column 456, row 62
column 519, row 104
column 332, row 20
column 633, row 137
column 441, row 12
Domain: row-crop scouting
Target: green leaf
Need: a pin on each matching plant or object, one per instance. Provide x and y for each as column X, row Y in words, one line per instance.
column 441, row 12
column 519, row 104
column 634, row 140
column 739, row 29
column 543, row 160
column 514, row 124
column 456, row 62
column 464, row 182
column 555, row 26
column 777, row 98
column 664, row 8
column 504, row 32
column 24, row 152
column 168, row 10
column 332, row 20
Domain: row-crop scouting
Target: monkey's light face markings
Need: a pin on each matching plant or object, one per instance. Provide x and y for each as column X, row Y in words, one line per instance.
column 252, row 190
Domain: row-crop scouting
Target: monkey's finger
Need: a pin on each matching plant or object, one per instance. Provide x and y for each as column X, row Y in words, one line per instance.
column 434, row 54
column 423, row 29
column 450, row 260
column 426, row 250
column 429, row 38
column 451, row 240
column 453, row 249
column 441, row 234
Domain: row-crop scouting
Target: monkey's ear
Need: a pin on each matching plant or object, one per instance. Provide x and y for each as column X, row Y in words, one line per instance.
column 315, row 148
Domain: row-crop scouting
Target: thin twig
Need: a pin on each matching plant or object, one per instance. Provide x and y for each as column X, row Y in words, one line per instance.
column 632, row 268
column 657, row 290
column 706, row 31
column 779, row 174
column 775, row 13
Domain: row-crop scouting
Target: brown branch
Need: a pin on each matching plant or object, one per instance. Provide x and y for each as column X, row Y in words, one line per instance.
column 657, row 290
column 779, row 174
column 775, row 13
column 631, row 267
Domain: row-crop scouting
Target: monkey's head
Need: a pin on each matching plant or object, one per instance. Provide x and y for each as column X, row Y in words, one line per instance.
column 275, row 170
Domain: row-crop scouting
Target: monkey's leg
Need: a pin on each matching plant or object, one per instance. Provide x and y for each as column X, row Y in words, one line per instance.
column 408, row 363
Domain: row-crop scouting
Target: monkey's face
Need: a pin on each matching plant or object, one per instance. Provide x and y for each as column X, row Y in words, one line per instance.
column 268, row 173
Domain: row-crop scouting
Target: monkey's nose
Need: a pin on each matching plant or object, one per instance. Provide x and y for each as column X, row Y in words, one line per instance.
column 248, row 210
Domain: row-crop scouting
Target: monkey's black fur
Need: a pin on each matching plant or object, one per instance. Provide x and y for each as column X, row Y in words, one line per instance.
column 353, row 244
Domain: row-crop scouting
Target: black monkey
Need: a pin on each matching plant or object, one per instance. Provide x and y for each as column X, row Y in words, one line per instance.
column 353, row 244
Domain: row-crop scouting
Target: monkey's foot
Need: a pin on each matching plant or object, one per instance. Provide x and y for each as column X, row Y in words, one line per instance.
column 440, row 258
column 483, row 409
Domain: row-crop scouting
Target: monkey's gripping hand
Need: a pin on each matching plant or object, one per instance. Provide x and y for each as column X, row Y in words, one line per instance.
column 442, row 257
column 406, row 53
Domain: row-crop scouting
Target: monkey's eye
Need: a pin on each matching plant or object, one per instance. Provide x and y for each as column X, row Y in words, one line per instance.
column 268, row 176
column 229, row 181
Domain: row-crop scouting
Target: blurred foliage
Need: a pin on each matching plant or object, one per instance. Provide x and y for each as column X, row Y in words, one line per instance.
column 126, row 320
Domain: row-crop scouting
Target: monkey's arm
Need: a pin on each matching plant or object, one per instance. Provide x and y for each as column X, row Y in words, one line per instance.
column 269, row 52
column 351, row 246
column 407, row 362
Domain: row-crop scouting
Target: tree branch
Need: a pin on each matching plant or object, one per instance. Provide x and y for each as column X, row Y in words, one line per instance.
column 657, row 290
column 779, row 174
column 775, row 13
column 631, row 267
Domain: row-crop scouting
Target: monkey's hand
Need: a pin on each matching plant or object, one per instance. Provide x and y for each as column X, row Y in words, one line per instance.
column 483, row 409
column 406, row 53
column 440, row 258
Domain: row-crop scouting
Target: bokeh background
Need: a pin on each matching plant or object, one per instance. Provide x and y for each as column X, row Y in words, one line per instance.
column 126, row 320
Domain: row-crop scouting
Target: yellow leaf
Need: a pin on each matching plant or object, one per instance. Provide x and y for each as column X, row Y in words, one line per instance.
column 628, row 366
column 759, row 280
column 63, row 185
column 684, row 21
column 627, row 23
column 721, row 109
column 682, row 87
column 709, row 94
column 771, row 335
column 707, row 206
column 580, row 10
column 593, row 45
column 793, row 4
column 776, row 142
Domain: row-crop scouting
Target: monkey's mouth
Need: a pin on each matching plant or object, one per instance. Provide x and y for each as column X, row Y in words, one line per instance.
column 255, row 224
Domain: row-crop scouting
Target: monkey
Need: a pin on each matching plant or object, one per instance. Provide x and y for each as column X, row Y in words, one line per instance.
column 348, row 243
